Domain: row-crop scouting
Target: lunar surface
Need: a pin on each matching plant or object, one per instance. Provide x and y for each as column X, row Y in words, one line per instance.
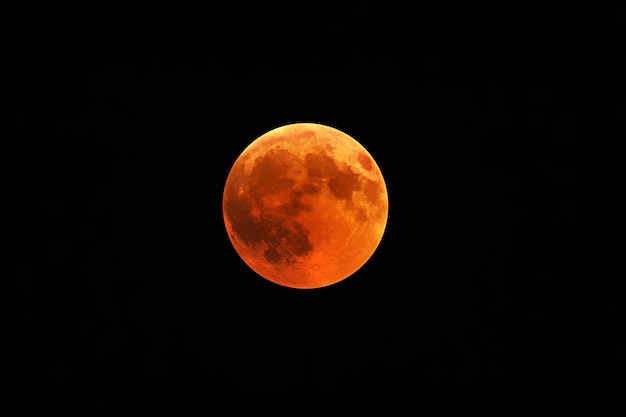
column 305, row 205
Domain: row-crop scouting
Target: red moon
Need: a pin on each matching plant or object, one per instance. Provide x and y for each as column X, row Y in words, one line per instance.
column 305, row 205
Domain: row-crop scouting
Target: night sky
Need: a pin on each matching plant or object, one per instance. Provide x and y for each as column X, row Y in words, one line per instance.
column 129, row 289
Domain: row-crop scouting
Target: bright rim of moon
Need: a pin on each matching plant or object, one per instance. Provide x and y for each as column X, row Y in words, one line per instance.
column 305, row 205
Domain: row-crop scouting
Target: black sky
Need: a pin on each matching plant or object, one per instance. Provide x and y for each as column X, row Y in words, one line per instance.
column 129, row 287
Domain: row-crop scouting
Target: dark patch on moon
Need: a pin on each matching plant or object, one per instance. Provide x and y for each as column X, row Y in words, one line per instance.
column 295, row 204
column 340, row 182
column 286, row 238
column 269, row 173
column 249, row 229
column 320, row 165
column 365, row 161
column 343, row 184
column 291, row 242
column 272, row 255
column 310, row 189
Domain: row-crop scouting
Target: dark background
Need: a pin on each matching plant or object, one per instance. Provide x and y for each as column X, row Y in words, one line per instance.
column 480, row 119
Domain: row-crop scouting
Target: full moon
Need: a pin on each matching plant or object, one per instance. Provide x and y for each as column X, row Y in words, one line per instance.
column 305, row 205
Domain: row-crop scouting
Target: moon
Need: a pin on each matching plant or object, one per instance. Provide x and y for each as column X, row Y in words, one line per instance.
column 305, row 205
